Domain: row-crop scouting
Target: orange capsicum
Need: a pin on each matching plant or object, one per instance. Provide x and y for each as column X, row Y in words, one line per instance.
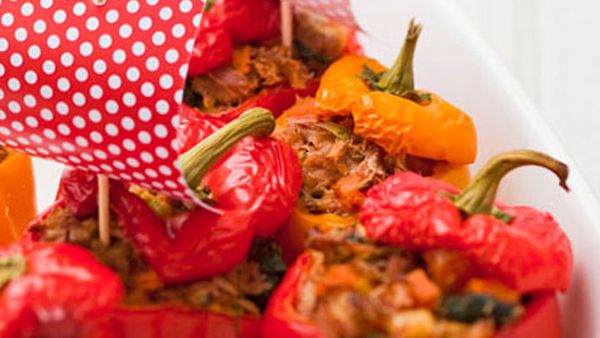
column 17, row 200
column 388, row 110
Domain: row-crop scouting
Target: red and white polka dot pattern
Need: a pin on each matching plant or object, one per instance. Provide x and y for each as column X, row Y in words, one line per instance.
column 338, row 10
column 98, row 86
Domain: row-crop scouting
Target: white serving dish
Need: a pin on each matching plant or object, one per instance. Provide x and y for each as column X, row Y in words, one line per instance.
column 454, row 61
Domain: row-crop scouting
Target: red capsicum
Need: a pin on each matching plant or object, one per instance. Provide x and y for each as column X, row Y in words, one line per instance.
column 50, row 289
column 282, row 319
column 256, row 186
column 520, row 246
column 229, row 22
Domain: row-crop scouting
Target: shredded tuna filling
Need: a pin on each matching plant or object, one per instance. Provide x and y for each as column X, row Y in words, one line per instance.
column 242, row 291
column 339, row 166
column 357, row 289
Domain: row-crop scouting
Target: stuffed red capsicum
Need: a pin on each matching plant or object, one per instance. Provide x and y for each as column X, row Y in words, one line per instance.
column 50, row 288
column 238, row 60
column 432, row 263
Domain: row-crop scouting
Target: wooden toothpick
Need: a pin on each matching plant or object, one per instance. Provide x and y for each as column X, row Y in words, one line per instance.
column 287, row 24
column 104, row 209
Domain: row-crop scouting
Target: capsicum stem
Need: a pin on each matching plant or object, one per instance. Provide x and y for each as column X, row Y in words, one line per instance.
column 400, row 78
column 199, row 160
column 480, row 195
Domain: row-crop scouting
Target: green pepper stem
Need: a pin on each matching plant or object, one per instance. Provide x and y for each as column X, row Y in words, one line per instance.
column 400, row 78
column 199, row 160
column 479, row 196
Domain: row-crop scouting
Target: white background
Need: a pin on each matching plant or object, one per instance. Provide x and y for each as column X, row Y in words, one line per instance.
column 553, row 48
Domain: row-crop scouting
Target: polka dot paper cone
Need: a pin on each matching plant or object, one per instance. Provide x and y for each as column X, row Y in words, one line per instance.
column 96, row 84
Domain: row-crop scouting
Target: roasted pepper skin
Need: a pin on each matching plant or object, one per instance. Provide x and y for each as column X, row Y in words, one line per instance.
column 62, row 289
column 256, row 169
column 167, row 322
column 230, row 22
column 530, row 254
column 282, row 319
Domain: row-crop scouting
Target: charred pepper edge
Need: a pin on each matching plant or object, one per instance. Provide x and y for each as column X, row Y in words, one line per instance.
column 197, row 161
column 480, row 195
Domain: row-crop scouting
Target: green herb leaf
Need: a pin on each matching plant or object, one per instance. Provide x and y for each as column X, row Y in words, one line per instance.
column 339, row 131
column 11, row 268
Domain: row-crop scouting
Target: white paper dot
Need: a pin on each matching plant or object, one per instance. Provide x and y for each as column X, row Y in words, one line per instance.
column 87, row 157
column 79, row 122
column 114, row 81
column 30, row 100
column 158, row 38
column 3, row 45
column 67, row 59
column 161, row 131
column 7, row 19
column 49, row 67
column 99, row 67
column 165, row 170
column 46, row 92
column 152, row 2
column 145, row 23
column 165, row 13
column 114, row 149
column 125, row 31
column 1, row 93
column 171, row 56
column 62, row 108
column 96, row 137
column 112, row 107
column 46, row 114
column 2, row 115
column 129, row 99
column 86, row 49
column 21, row 34
column 144, row 114
column 196, row 20
column 119, row 56
column 36, row 138
column 14, row 84
column 132, row 162
column 14, row 107
column 144, row 137
column 79, row 9
column 81, row 74
column 171, row 184
column 63, row 84
column 129, row 145
column 50, row 134
column 74, row 159
column 39, row 26
column 72, row 34
column 127, row 123
column 150, row 172
column 30, row 77
column 93, row 167
column 95, row 116
column 27, row 9
column 4, row 131
column 147, row 157
column 100, row 154
column 17, row 126
column 189, row 45
column 185, row 6
column 34, row 52
column 23, row 141
column 133, row 74
column 79, row 99
column 133, row 6
column 60, row 16
column 81, row 141
column 152, row 64
column 162, row 107
column 46, row 3
column 16, row 60
column 111, row 129
column 96, row 92
column 158, row 185
column 63, row 129
column 68, row 146
column 105, row 41
column 138, row 48
column 178, row 96
column 166, row 81
column 147, row 89
column 178, row 30
column 32, row 122
column 119, row 165
column 112, row 16
column 92, row 24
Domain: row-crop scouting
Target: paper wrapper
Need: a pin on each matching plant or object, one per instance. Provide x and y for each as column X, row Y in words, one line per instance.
column 99, row 86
